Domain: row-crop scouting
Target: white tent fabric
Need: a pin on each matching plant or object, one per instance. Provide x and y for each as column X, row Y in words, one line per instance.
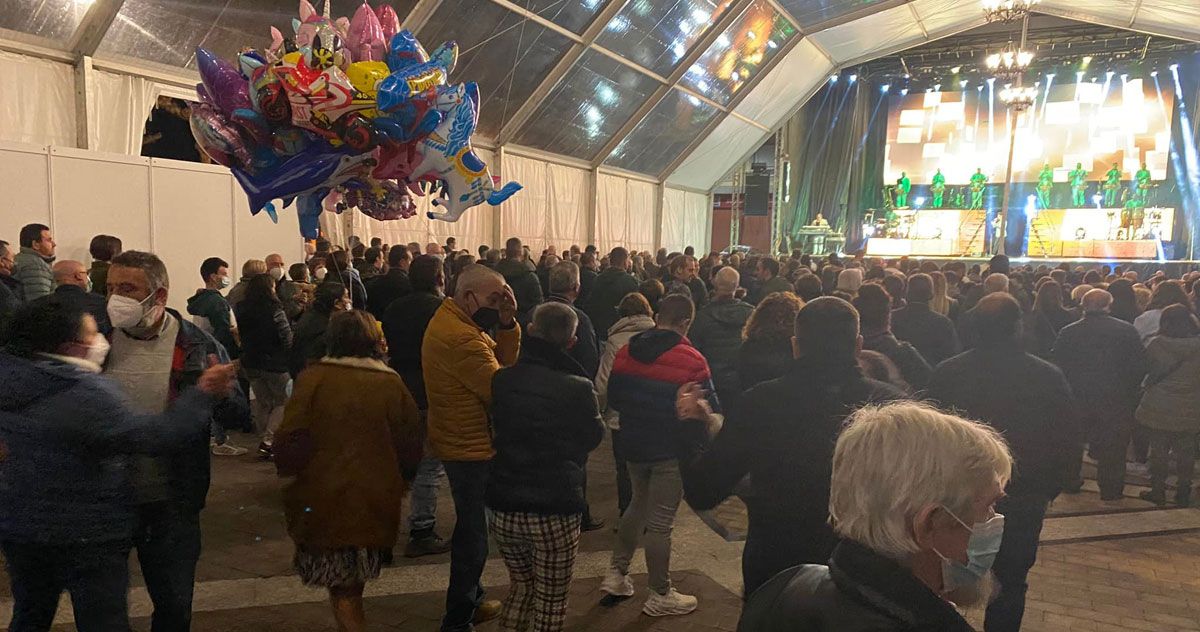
column 876, row 32
column 796, row 76
column 685, row 220
column 37, row 103
column 118, row 106
column 551, row 209
column 621, row 217
column 727, row 145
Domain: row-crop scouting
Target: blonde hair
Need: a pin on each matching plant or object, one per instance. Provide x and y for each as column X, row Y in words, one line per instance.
column 893, row 461
column 254, row 267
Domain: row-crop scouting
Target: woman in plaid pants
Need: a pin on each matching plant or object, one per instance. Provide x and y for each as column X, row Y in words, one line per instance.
column 545, row 422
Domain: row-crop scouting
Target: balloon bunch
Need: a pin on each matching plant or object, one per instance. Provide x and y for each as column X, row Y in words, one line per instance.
column 347, row 114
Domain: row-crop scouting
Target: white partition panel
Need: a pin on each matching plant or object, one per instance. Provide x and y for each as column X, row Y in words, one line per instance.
column 641, row 218
column 25, row 174
column 256, row 236
column 625, row 212
column 193, row 220
column 94, row 193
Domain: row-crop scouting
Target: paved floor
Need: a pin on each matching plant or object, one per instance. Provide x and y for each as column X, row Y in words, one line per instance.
column 1102, row 566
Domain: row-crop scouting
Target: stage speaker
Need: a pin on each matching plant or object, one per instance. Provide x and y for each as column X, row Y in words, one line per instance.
column 758, row 194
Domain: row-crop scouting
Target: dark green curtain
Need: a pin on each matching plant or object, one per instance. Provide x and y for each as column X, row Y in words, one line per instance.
column 836, row 147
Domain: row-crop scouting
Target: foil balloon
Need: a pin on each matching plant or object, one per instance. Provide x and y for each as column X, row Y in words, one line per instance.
column 346, row 113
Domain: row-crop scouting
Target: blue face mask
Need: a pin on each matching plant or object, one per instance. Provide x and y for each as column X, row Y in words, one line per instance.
column 981, row 553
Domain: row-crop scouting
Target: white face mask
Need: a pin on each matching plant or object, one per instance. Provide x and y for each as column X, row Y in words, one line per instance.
column 321, row 274
column 127, row 313
column 276, row 273
column 97, row 352
column 225, row 282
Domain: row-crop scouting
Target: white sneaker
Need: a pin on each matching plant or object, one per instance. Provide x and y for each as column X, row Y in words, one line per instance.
column 671, row 604
column 617, row 584
column 228, row 449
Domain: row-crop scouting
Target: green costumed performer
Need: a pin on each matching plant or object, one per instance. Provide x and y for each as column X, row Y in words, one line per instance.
column 903, row 186
column 1044, row 185
column 1078, row 179
column 1143, row 183
column 978, row 184
column 1112, row 184
column 938, row 188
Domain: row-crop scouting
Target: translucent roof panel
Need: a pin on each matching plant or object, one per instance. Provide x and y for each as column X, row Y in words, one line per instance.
column 572, row 14
column 811, row 13
column 52, row 19
column 1167, row 16
column 588, row 106
column 657, row 34
column 874, row 35
column 503, row 52
column 754, row 37
column 732, row 140
column 169, row 32
column 669, row 128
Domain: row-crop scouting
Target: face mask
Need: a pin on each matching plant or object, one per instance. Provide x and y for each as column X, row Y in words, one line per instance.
column 320, row 274
column 125, row 312
column 981, row 553
column 276, row 273
column 225, row 282
column 486, row 317
column 98, row 351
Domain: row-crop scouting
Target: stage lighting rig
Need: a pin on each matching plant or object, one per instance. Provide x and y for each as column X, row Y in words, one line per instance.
column 1007, row 10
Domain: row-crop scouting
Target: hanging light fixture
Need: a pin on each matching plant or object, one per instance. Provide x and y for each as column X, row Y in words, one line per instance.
column 1009, row 63
column 1007, row 10
column 1018, row 98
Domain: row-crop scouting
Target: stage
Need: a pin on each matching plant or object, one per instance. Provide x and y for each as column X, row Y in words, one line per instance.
column 1099, row 234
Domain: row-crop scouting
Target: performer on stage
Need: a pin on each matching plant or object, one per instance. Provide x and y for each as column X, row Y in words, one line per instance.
column 1143, row 183
column 903, row 186
column 978, row 184
column 938, row 188
column 1112, row 184
column 1133, row 216
column 1078, row 178
column 820, row 221
column 1044, row 185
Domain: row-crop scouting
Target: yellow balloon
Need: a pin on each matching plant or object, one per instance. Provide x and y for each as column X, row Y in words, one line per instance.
column 366, row 75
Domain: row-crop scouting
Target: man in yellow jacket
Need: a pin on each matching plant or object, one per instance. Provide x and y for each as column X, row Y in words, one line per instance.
column 459, row 356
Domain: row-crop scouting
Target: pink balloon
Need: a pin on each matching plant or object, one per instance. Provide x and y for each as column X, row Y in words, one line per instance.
column 389, row 21
column 365, row 36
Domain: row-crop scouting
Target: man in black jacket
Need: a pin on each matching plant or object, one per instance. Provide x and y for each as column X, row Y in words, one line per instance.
column 588, row 271
column 782, row 435
column 875, row 308
column 564, row 288
column 610, row 287
column 73, row 287
column 385, row 288
column 521, row 277
column 1027, row 400
column 545, row 421
column 1105, row 362
column 404, row 325
column 930, row 332
column 717, row 333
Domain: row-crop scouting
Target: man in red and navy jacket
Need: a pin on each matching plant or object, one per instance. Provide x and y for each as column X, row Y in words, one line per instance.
column 646, row 376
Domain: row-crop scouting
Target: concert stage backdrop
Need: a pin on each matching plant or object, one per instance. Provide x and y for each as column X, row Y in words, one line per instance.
column 1113, row 120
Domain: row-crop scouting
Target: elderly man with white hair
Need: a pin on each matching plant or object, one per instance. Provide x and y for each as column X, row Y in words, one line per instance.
column 912, row 496
column 717, row 332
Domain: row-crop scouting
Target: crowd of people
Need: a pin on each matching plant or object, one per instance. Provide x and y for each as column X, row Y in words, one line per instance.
column 897, row 429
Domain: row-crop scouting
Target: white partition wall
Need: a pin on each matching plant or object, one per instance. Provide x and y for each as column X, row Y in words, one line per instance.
column 552, row 209
column 184, row 212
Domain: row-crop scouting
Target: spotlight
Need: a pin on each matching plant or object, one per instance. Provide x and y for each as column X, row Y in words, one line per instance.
column 1124, row 77
column 1154, row 73
column 884, row 87
column 956, row 69
column 1050, row 76
column 832, row 78
column 928, row 89
column 979, row 87
column 1031, row 199
column 937, row 87
column 853, row 78
column 991, row 80
column 1174, row 67
column 1109, row 74
column 1087, row 59
column 962, row 84
column 919, row 201
column 1095, row 80
column 1079, row 76
column 1097, row 198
